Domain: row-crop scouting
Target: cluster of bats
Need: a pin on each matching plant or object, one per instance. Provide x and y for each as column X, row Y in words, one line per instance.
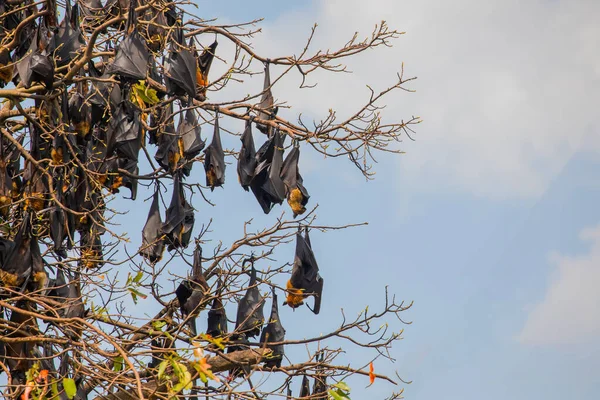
column 194, row 292
column 85, row 139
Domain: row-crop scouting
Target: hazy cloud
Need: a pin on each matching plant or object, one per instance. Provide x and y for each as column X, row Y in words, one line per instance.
column 508, row 90
column 568, row 313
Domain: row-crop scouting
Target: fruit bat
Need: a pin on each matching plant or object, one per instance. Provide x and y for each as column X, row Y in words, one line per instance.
column 247, row 157
column 289, row 393
column 69, row 39
column 6, row 67
column 60, row 152
column 124, row 135
column 153, row 244
column 59, row 223
column 217, row 318
column 267, row 186
column 131, row 58
column 204, row 62
column 320, row 385
column 125, row 180
column 91, row 248
column 6, row 180
column 24, row 263
column 26, row 36
column 37, row 64
column 274, row 332
column 266, row 110
column 170, row 152
column 189, row 136
column 156, row 77
column 6, row 247
column 159, row 118
column 91, row 11
column 159, row 344
column 180, row 68
column 154, row 29
column 305, row 279
column 241, row 343
column 80, row 113
column 250, row 317
column 191, row 292
column 297, row 195
column 10, row 21
column 214, row 159
column 19, row 355
column 68, row 294
column 179, row 219
column 305, row 388
column 106, row 96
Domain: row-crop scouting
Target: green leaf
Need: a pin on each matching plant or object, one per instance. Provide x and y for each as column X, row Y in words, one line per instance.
column 162, row 368
column 338, row 394
column 135, row 294
column 144, row 93
column 54, row 389
column 342, row 386
column 158, row 324
column 118, row 364
column 70, row 388
column 138, row 277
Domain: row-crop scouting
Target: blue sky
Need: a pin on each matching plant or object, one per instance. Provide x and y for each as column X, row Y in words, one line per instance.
column 489, row 222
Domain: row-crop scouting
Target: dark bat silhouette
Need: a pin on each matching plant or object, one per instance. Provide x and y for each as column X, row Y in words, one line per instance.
column 305, row 279
column 124, row 135
column 153, row 244
column 24, row 266
column 179, row 220
column 297, row 195
column 266, row 109
column 247, row 157
column 320, row 385
column 37, row 64
column 203, row 67
column 132, row 55
column 217, row 318
column 214, row 159
column 274, row 332
column 191, row 292
column 267, row 186
column 168, row 153
column 250, row 317
column 80, row 113
column 305, row 388
column 69, row 39
column 180, row 67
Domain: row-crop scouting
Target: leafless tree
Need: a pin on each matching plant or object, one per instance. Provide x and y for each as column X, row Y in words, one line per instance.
column 111, row 97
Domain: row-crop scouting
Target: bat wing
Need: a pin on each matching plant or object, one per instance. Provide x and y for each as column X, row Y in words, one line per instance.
column 305, row 388
column 180, row 70
column 204, row 62
column 247, row 157
column 152, row 243
column 217, row 319
column 189, row 132
column 69, row 39
column 266, row 102
column 125, row 132
column 274, row 332
column 274, row 185
column 214, row 161
column 250, row 317
column 131, row 59
column 175, row 213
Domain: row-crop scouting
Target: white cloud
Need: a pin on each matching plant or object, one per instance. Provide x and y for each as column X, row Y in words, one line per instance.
column 509, row 90
column 568, row 315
